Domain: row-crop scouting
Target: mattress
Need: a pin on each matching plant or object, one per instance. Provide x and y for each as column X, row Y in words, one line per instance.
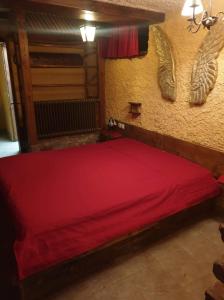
column 67, row 202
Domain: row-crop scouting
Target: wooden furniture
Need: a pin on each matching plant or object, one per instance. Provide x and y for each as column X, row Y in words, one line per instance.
column 220, row 200
column 36, row 287
column 209, row 158
column 109, row 134
column 135, row 109
column 217, row 291
column 41, row 284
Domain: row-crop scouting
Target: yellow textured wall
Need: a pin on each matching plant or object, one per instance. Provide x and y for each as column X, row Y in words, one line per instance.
column 136, row 79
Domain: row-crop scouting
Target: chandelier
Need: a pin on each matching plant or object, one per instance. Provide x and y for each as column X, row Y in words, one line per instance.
column 193, row 8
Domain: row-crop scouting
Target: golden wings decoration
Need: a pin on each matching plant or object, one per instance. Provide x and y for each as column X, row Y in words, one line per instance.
column 167, row 68
column 205, row 69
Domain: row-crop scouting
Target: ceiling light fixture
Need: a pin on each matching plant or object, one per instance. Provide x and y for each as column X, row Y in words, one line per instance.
column 192, row 8
column 88, row 15
column 88, row 33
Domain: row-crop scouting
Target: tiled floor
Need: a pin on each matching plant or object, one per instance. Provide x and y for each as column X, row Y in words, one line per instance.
column 177, row 268
column 8, row 148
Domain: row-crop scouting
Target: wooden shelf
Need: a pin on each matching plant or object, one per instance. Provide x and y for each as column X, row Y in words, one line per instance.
column 62, row 67
column 135, row 109
column 134, row 114
column 56, row 66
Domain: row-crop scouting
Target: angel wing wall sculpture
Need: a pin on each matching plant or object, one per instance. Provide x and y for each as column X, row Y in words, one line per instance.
column 205, row 69
column 167, row 68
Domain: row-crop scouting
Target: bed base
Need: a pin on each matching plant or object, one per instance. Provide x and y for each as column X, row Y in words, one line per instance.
column 42, row 284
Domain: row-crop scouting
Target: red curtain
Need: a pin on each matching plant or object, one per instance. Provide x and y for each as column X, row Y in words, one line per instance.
column 122, row 43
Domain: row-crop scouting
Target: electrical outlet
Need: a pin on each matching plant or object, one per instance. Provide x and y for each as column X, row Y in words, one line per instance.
column 121, row 125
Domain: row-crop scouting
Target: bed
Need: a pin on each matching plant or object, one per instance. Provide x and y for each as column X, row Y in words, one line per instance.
column 65, row 203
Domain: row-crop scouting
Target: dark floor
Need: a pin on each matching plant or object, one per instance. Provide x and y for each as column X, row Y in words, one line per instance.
column 66, row 141
column 8, row 148
column 177, row 268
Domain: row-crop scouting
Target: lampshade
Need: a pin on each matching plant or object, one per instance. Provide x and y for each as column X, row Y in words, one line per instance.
column 187, row 10
column 88, row 33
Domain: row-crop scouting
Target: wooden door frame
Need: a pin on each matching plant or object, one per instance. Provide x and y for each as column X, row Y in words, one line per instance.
column 19, row 109
column 7, row 75
column 28, row 134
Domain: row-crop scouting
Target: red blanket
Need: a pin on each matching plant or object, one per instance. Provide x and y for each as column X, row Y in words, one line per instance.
column 68, row 202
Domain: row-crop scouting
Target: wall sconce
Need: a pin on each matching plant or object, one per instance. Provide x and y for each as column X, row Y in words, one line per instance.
column 192, row 8
column 135, row 109
column 88, row 33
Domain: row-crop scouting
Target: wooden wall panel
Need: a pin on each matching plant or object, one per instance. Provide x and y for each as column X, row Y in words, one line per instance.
column 91, row 59
column 92, row 76
column 46, row 76
column 48, row 48
column 58, row 83
column 58, row 75
column 51, row 60
column 93, row 91
column 58, row 93
column 101, row 87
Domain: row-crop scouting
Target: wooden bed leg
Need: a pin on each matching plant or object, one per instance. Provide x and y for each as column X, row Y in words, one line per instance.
column 221, row 229
column 216, row 292
column 218, row 269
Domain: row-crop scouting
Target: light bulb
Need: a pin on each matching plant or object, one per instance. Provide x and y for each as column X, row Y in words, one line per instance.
column 188, row 7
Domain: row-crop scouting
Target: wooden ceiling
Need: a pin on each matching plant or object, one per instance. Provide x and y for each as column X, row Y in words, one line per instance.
column 49, row 27
column 92, row 10
column 60, row 19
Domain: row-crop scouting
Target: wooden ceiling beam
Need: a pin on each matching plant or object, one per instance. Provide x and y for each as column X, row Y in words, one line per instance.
column 117, row 11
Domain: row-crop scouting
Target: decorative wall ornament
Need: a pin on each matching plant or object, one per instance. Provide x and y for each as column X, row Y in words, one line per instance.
column 167, row 69
column 205, row 69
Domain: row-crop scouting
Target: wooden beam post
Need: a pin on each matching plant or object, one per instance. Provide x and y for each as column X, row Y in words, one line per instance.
column 23, row 65
column 101, row 87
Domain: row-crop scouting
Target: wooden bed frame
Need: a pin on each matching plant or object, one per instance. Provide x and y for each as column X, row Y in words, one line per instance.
column 39, row 285
column 51, row 280
column 209, row 158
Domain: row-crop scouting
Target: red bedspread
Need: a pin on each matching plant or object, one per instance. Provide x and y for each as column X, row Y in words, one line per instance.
column 70, row 201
